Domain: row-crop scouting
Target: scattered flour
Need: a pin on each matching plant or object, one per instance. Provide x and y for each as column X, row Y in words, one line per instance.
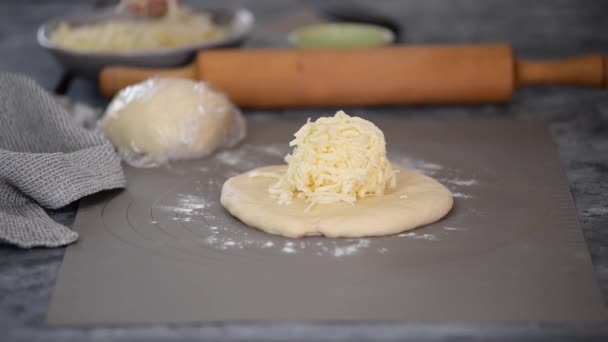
column 278, row 150
column 432, row 169
column 174, row 209
column 425, row 167
column 455, row 228
column 249, row 156
column 431, row 166
column 288, row 249
column 462, row 182
column 230, row 157
column 461, row 195
column 225, row 239
column 429, row 237
column 351, row 249
column 185, row 204
column 192, row 202
column 185, row 207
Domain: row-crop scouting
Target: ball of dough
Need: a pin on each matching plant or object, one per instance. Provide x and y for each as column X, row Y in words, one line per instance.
column 168, row 118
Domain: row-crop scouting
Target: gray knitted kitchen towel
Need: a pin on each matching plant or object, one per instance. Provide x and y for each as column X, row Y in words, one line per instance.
column 46, row 160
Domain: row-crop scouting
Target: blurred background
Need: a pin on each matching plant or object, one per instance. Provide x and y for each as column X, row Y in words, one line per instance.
column 535, row 29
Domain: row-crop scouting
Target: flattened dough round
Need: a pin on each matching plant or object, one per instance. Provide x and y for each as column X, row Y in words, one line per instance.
column 418, row 200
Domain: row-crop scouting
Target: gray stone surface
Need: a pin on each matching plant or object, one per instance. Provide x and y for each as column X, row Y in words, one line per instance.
column 578, row 119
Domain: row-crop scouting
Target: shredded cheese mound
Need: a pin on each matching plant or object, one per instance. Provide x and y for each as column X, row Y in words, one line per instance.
column 335, row 159
column 179, row 27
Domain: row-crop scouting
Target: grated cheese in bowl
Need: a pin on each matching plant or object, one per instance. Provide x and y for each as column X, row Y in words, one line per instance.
column 335, row 159
column 179, row 27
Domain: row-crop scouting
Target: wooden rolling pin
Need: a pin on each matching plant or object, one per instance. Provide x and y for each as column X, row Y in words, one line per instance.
column 271, row 78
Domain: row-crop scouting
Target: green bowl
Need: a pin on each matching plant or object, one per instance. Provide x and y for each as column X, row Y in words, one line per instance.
column 341, row 36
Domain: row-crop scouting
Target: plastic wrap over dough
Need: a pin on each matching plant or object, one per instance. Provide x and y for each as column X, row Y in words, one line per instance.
column 164, row 119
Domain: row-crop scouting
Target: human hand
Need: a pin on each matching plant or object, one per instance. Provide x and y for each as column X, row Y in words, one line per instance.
column 152, row 8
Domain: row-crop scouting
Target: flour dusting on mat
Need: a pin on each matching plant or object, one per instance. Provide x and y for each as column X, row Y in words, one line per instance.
column 192, row 202
column 455, row 228
column 462, row 182
column 431, row 169
column 457, row 185
column 225, row 239
column 230, row 157
column 288, row 248
column 351, row 249
column 250, row 156
column 278, row 150
column 184, row 206
column 422, row 166
column 412, row 235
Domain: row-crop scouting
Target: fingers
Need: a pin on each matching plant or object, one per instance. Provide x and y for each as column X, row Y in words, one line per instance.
column 148, row 7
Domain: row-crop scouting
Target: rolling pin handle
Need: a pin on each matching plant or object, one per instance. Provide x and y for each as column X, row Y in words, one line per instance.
column 112, row 79
column 588, row 70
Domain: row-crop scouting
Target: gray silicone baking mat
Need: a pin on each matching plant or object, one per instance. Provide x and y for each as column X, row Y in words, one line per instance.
column 165, row 251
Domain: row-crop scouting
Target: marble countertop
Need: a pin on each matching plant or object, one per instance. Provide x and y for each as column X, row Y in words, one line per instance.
column 578, row 119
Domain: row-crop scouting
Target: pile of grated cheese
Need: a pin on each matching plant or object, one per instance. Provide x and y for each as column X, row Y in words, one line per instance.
column 335, row 159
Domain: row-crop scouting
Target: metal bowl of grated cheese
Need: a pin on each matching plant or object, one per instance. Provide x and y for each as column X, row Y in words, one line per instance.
column 82, row 57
